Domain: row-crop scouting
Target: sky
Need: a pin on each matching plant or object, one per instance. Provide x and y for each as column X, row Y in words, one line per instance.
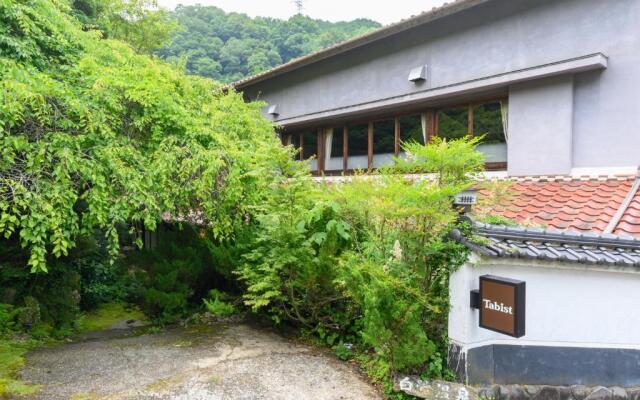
column 383, row 11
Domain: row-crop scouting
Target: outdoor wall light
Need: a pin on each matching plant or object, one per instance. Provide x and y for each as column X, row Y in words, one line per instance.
column 466, row 199
column 273, row 110
column 418, row 74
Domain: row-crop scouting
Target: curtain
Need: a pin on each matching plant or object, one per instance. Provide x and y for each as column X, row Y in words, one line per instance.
column 328, row 139
column 504, row 108
column 424, row 119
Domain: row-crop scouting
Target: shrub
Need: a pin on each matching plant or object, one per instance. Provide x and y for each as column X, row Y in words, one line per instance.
column 8, row 319
column 216, row 305
column 290, row 269
column 165, row 300
column 365, row 265
column 101, row 279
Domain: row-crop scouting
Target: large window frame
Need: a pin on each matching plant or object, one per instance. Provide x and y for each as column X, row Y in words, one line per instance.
column 470, row 106
column 429, row 119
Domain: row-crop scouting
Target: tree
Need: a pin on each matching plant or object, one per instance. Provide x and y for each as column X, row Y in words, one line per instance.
column 137, row 22
column 93, row 136
column 244, row 46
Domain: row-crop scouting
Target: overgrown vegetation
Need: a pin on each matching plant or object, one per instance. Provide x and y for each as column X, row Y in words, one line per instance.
column 365, row 265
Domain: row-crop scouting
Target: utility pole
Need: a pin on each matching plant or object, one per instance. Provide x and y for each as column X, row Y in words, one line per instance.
column 299, row 5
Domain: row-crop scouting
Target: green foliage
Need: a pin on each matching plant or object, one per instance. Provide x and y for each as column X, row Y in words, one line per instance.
column 498, row 220
column 165, row 300
column 176, row 275
column 11, row 361
column 101, row 281
column 140, row 23
column 94, row 136
column 217, row 305
column 8, row 319
column 365, row 265
column 231, row 46
column 290, row 268
column 106, row 315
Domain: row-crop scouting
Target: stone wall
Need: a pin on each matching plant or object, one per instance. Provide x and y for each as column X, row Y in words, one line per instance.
column 440, row 390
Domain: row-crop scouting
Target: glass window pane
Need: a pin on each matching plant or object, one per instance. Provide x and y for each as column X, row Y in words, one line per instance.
column 487, row 121
column 384, row 137
column 358, row 140
column 295, row 142
column 453, row 123
column 411, row 129
column 337, row 142
column 309, row 144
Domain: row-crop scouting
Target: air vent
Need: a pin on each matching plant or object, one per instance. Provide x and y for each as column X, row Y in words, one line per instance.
column 418, row 74
column 273, row 110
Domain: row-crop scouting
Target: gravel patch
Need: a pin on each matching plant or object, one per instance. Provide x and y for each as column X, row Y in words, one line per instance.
column 224, row 361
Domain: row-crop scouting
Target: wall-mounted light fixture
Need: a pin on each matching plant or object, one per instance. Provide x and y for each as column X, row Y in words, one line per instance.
column 273, row 110
column 418, row 74
column 466, row 199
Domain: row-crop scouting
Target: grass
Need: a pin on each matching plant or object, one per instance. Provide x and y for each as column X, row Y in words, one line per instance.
column 107, row 315
column 11, row 361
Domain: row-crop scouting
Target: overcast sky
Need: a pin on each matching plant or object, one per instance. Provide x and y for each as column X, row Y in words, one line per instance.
column 384, row 11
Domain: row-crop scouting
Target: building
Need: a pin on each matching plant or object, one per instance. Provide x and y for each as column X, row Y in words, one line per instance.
column 551, row 83
column 553, row 86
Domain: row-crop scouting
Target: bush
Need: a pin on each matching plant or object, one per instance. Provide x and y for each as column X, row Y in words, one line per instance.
column 8, row 319
column 290, row 269
column 176, row 275
column 165, row 300
column 216, row 305
column 365, row 265
column 101, row 279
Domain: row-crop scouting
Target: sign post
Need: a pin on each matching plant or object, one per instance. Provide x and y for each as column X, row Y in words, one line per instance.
column 502, row 305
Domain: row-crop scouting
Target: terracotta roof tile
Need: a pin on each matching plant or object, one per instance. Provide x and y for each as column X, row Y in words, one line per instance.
column 583, row 204
column 630, row 222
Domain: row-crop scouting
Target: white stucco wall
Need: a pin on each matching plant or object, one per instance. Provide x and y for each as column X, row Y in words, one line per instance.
column 566, row 304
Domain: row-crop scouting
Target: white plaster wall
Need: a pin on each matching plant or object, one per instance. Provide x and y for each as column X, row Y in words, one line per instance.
column 566, row 304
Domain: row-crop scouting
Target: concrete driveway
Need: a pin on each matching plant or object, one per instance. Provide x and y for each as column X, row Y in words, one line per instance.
column 224, row 361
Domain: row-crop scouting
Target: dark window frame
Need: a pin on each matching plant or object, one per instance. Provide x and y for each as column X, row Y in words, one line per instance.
column 432, row 127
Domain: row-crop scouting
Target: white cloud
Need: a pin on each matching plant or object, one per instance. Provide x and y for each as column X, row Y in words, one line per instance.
column 333, row 10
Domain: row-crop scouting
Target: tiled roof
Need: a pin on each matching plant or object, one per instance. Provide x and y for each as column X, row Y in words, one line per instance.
column 598, row 205
column 428, row 16
column 630, row 222
column 539, row 244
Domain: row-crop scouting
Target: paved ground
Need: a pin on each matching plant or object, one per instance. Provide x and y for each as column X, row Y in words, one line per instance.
column 225, row 362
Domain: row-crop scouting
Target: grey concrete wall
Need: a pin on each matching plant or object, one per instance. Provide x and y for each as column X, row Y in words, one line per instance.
column 494, row 38
column 550, row 365
column 541, row 127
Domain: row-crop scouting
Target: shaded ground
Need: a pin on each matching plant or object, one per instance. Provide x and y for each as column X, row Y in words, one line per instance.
column 234, row 361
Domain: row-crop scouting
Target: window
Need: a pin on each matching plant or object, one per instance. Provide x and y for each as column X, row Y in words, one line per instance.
column 384, row 137
column 358, row 140
column 411, row 129
column 337, row 142
column 490, row 121
column 373, row 144
column 309, row 144
column 295, row 142
column 335, row 149
column 453, row 123
column 487, row 121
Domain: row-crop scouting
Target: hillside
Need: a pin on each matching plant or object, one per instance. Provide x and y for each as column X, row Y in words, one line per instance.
column 230, row 46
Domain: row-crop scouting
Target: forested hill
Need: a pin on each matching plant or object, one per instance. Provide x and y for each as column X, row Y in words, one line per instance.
column 230, row 46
